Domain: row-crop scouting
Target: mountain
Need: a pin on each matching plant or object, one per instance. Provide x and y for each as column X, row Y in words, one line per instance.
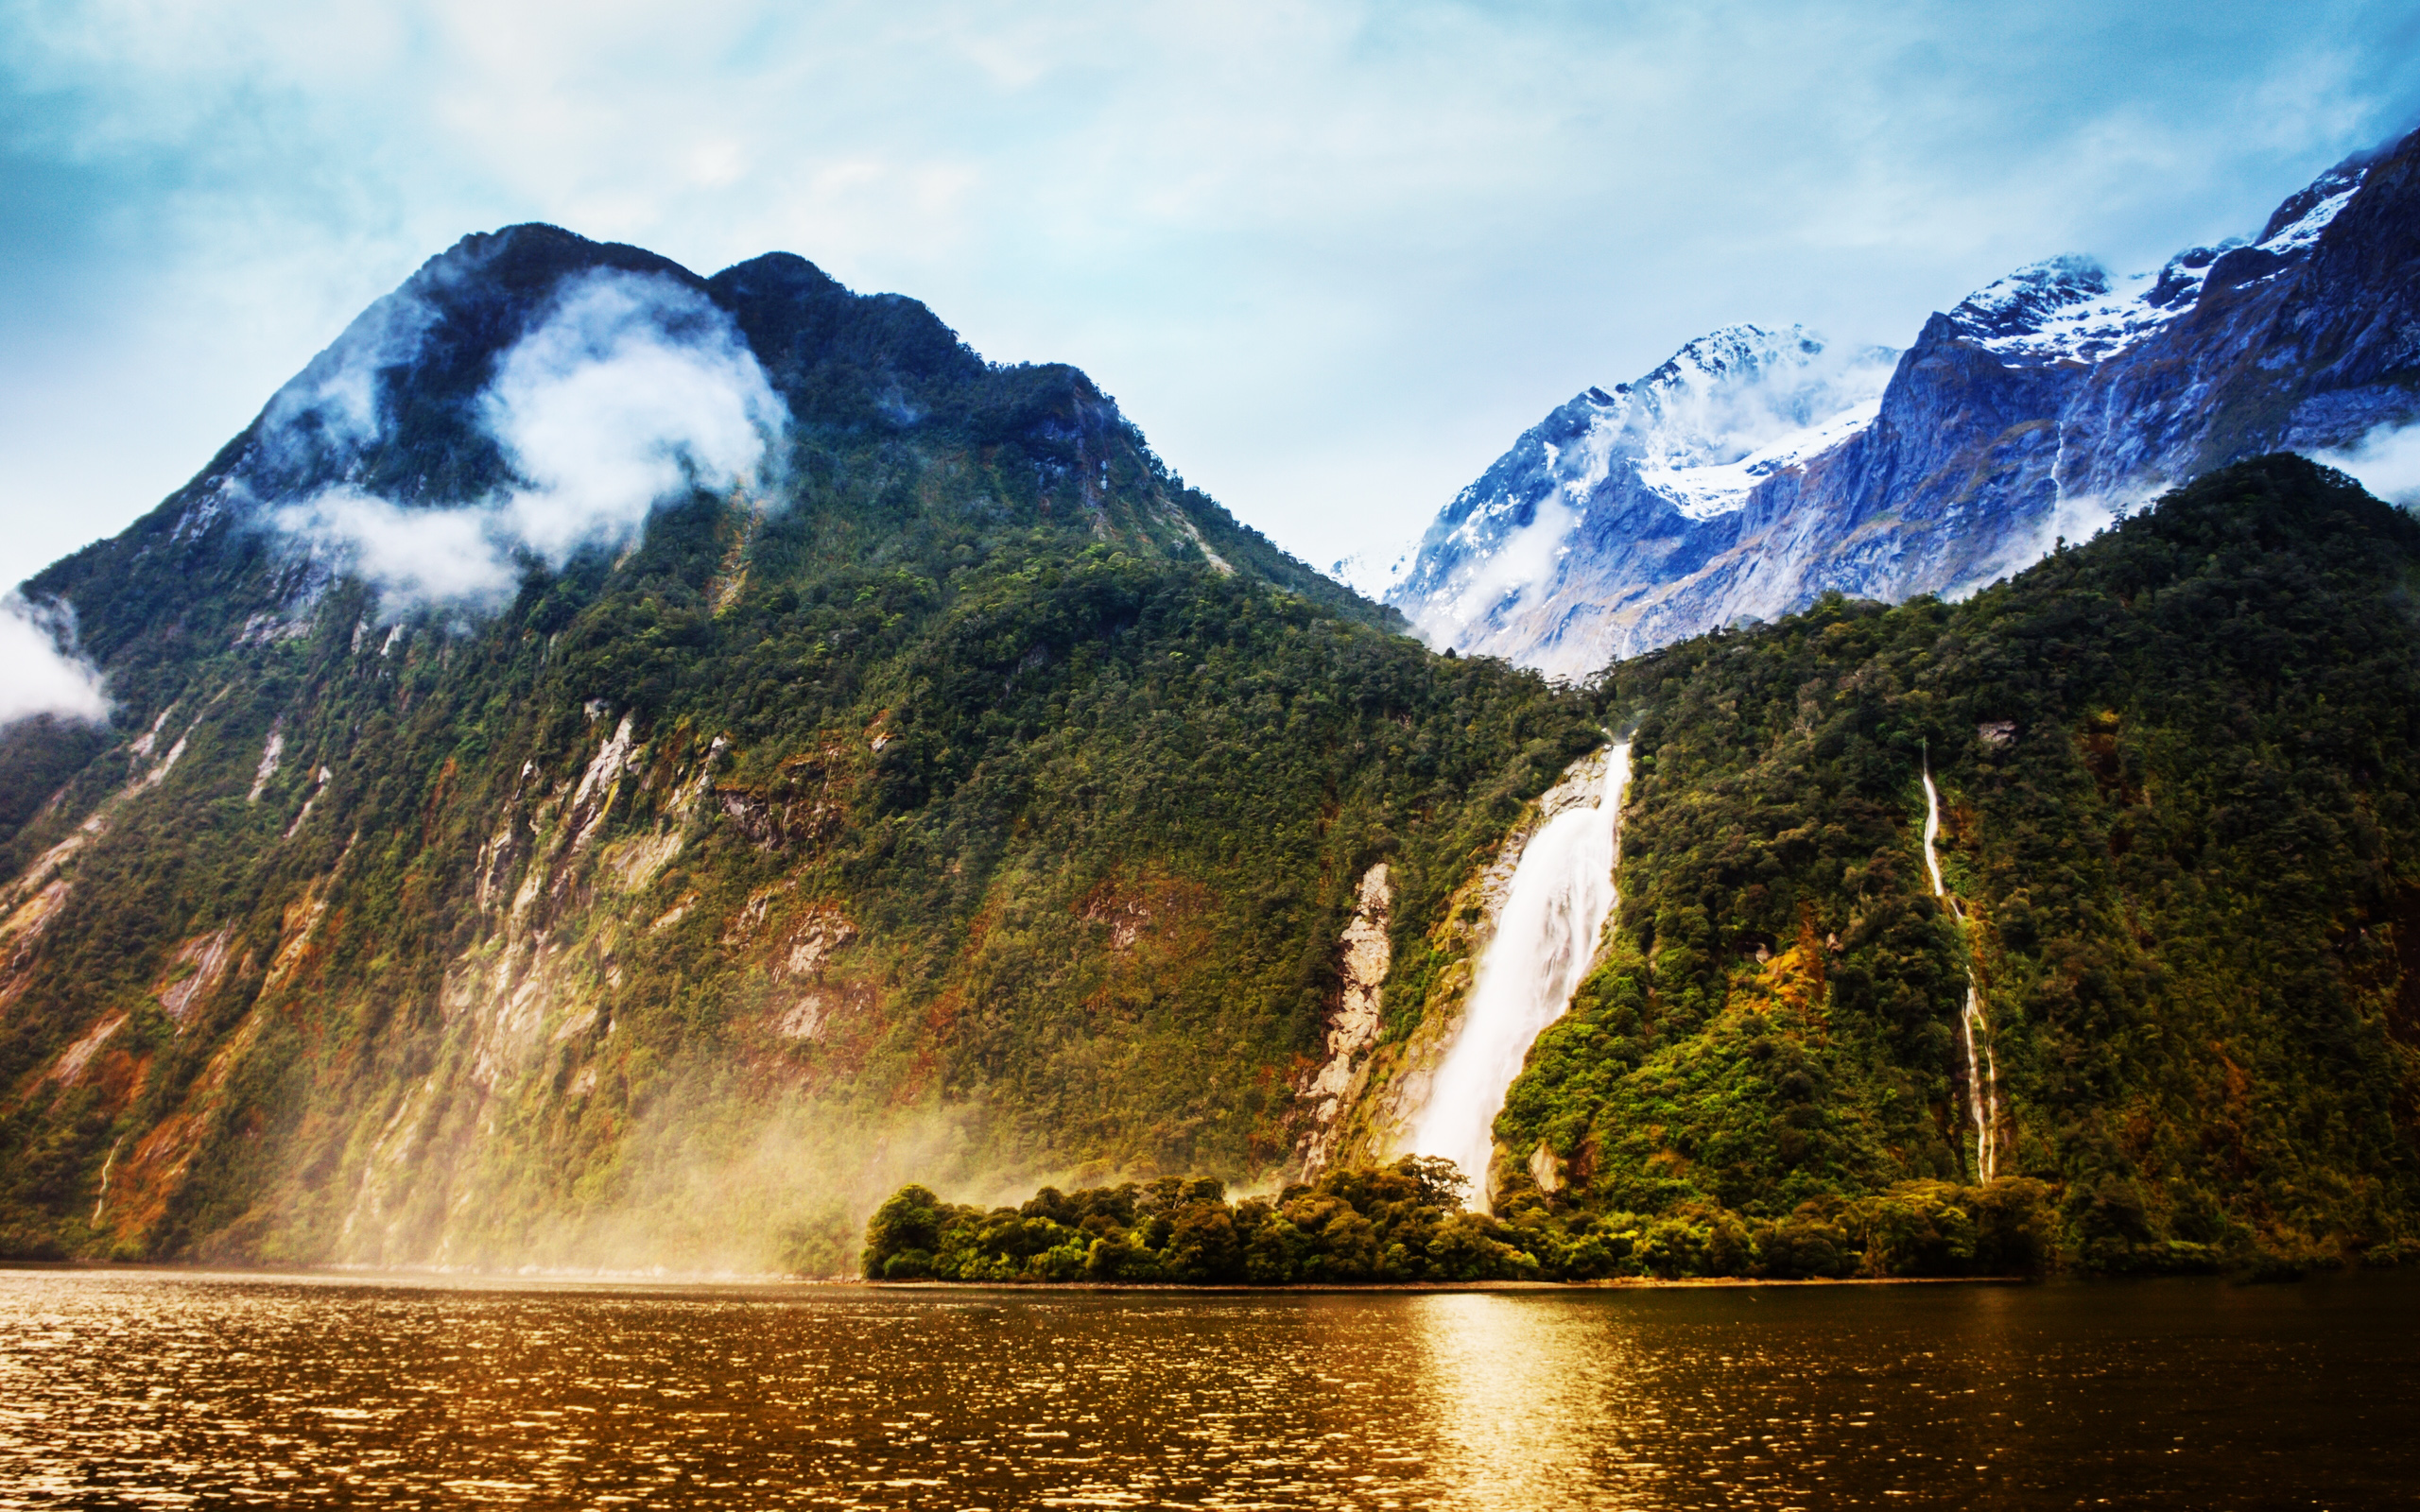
column 615, row 767
column 2041, row 407
column 2159, row 970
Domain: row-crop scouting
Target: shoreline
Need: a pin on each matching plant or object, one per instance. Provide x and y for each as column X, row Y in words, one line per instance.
column 373, row 1275
column 1612, row 1283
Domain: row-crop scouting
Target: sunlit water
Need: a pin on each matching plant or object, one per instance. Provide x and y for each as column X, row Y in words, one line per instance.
column 148, row 1389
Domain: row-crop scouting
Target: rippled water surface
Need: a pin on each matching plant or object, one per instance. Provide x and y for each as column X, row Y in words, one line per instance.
column 164, row 1389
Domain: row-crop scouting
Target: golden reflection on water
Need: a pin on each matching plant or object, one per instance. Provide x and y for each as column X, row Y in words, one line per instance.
column 1524, row 1404
column 168, row 1390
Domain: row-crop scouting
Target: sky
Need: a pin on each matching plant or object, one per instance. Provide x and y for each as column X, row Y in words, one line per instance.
column 1332, row 258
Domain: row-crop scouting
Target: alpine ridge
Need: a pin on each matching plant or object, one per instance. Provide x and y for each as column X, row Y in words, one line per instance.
column 2040, row 407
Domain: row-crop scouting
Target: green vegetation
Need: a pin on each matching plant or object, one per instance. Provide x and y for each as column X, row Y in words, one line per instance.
column 2179, row 769
column 1404, row 1223
column 976, row 786
column 967, row 803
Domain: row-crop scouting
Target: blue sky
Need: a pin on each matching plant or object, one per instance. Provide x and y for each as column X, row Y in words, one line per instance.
column 1332, row 257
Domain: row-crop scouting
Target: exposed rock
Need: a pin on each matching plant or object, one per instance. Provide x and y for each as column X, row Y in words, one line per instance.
column 204, row 963
column 805, row 1019
column 1545, row 1169
column 1392, row 1085
column 1127, row 916
column 1353, row 1029
column 270, row 753
column 825, row 929
column 72, row 1061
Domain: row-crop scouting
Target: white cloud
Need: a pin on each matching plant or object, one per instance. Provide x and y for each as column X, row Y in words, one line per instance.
column 415, row 556
column 2387, row 461
column 338, row 393
column 634, row 388
column 42, row 672
column 631, row 390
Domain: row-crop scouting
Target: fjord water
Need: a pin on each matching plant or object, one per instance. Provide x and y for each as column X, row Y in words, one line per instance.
column 1555, row 907
column 167, row 1390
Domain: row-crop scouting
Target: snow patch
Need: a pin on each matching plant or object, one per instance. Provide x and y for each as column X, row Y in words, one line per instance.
column 2065, row 308
column 1703, row 492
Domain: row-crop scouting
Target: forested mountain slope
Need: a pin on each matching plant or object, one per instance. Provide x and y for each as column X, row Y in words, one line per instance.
column 2179, row 770
column 499, row 858
column 2073, row 926
column 620, row 768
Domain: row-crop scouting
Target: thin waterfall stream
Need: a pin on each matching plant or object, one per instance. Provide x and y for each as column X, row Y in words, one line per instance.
column 1982, row 1070
column 1561, row 894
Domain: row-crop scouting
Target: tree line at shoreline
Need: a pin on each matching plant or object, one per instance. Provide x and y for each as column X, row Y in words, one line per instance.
column 1407, row 1223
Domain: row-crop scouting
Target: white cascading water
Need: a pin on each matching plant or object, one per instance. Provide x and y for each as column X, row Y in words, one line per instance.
column 1561, row 894
column 1982, row 1070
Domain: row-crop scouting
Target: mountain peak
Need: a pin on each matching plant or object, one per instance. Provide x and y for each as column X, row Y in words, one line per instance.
column 1744, row 476
column 1733, row 351
column 2026, row 301
column 2308, row 209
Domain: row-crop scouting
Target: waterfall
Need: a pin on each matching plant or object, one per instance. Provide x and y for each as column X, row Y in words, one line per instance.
column 1982, row 1070
column 1561, row 894
column 102, row 1200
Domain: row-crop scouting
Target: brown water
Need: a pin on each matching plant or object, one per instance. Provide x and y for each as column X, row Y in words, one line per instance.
column 165, row 1389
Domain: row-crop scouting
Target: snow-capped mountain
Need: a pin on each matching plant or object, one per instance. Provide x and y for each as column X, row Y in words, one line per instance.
column 1674, row 454
column 1759, row 469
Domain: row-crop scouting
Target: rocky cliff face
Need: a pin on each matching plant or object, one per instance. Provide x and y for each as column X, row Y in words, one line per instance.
column 2040, row 407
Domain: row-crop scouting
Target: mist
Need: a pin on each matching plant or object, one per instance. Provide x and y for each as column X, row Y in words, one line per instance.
column 332, row 403
column 2386, row 461
column 1711, row 420
column 42, row 670
column 778, row 1184
column 631, row 390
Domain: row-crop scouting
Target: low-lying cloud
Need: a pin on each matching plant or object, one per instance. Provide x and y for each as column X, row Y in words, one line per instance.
column 41, row 671
column 414, row 556
column 633, row 389
column 334, row 402
column 1771, row 389
column 2387, row 462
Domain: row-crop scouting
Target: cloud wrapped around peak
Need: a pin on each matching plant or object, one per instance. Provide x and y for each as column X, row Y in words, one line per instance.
column 632, row 389
column 41, row 671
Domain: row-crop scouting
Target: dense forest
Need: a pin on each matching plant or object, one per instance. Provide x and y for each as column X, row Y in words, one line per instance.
column 2179, row 767
column 1409, row 1222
